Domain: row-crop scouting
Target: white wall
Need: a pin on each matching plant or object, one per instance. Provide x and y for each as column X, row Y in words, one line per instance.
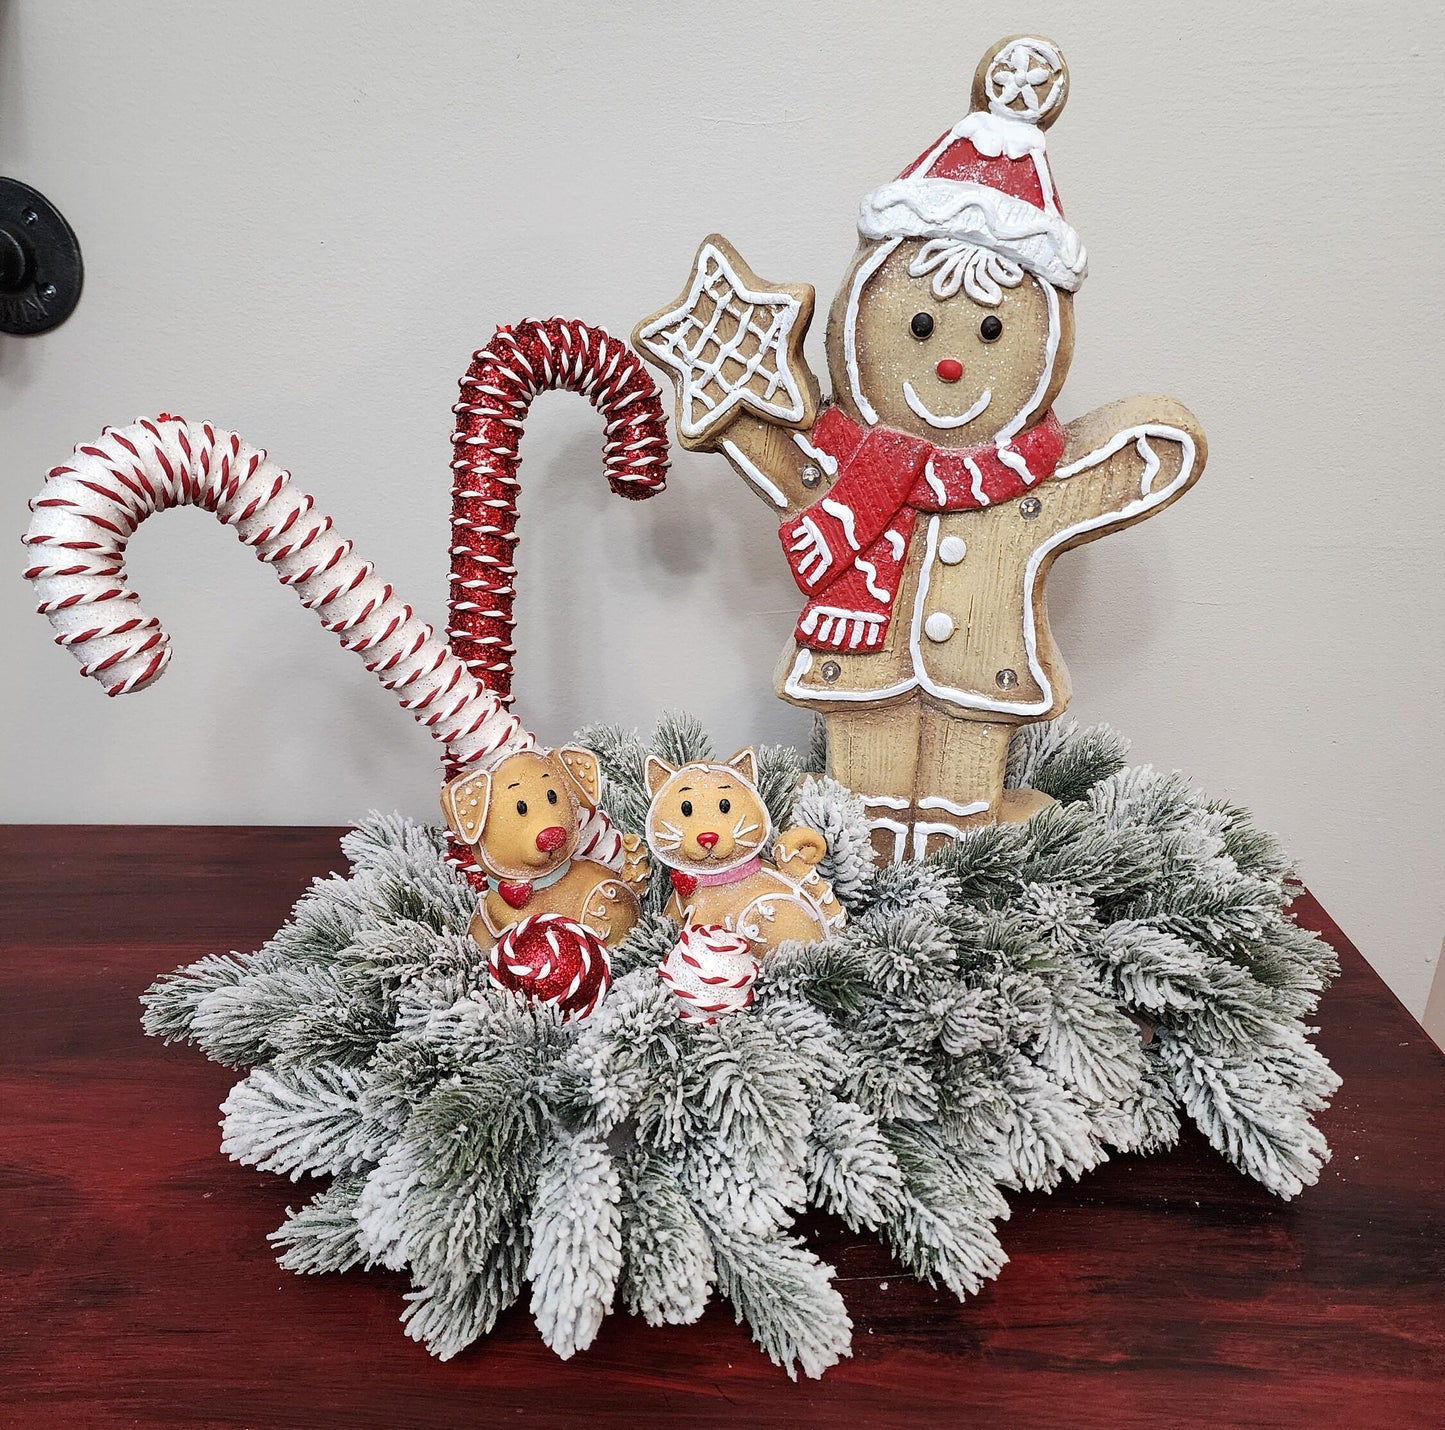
column 299, row 220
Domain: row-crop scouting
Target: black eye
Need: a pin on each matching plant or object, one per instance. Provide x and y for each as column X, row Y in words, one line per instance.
column 723, row 805
column 551, row 796
column 990, row 328
column 687, row 809
column 521, row 806
column 921, row 325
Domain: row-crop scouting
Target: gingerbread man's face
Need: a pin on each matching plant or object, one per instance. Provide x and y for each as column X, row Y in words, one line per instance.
column 946, row 342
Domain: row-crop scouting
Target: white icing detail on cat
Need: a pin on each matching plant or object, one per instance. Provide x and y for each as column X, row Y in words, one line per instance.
column 954, row 263
column 827, row 463
column 870, row 579
column 975, row 484
column 716, row 362
column 895, row 541
column 756, row 477
column 945, row 423
column 844, row 517
column 850, row 327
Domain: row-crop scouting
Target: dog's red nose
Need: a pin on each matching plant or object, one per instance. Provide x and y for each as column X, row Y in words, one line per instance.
column 949, row 370
column 707, row 839
column 553, row 837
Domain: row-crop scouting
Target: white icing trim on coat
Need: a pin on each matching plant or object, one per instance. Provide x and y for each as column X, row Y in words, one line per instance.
column 751, row 472
column 850, row 328
column 946, row 423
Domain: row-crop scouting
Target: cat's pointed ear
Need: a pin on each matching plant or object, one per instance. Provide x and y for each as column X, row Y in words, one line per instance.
column 658, row 772
column 745, row 762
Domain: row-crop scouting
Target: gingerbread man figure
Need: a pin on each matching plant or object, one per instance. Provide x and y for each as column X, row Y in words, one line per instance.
column 922, row 508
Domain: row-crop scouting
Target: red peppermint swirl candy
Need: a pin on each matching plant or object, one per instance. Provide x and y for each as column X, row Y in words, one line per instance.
column 551, row 959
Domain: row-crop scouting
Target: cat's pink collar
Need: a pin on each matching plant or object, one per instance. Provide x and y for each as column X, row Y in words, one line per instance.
column 730, row 876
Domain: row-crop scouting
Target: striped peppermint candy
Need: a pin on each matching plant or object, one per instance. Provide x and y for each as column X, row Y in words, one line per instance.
column 711, row 971
column 552, row 959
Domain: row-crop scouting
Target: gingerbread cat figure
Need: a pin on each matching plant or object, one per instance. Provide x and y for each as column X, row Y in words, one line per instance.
column 922, row 509
column 522, row 819
column 708, row 824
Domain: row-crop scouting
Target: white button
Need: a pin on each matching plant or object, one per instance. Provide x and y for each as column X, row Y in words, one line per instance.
column 952, row 550
column 939, row 626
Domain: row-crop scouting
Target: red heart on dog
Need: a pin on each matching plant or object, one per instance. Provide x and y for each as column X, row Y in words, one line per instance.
column 683, row 883
column 517, row 895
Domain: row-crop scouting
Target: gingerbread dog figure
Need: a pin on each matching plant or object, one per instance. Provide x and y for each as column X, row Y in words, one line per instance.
column 522, row 819
column 709, row 825
column 922, row 509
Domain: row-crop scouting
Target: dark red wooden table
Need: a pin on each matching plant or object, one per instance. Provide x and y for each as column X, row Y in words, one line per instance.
column 137, row 1288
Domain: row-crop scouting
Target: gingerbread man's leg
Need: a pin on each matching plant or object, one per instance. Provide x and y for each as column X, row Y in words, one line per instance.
column 875, row 753
column 960, row 775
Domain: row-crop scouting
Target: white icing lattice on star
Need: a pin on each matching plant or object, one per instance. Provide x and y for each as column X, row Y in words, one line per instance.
column 722, row 339
column 1018, row 72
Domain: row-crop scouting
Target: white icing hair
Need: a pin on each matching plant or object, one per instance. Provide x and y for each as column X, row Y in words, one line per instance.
column 955, row 263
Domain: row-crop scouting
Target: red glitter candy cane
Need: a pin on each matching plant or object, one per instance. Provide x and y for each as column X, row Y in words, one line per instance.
column 498, row 389
column 496, row 392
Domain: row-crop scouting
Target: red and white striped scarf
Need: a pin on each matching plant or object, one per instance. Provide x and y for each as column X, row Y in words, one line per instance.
column 847, row 550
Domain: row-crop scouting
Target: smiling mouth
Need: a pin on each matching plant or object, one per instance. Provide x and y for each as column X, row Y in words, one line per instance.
column 934, row 420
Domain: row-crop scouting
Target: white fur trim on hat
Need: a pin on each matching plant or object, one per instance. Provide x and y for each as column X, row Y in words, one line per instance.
column 973, row 213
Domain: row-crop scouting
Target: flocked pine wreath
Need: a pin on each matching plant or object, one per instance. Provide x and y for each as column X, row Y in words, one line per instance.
column 976, row 1028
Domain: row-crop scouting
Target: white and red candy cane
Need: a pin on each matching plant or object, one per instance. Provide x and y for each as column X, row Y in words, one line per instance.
column 88, row 509
column 496, row 392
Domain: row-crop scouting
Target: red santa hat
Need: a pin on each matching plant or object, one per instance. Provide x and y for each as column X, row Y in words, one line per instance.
column 986, row 182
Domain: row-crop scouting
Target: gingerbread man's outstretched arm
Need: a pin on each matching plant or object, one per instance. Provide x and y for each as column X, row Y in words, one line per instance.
column 1122, row 463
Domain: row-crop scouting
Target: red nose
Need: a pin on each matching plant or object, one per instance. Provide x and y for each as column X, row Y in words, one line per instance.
column 949, row 370
column 553, row 837
column 707, row 839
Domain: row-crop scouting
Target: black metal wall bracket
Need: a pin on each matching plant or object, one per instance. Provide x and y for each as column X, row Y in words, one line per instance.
column 40, row 268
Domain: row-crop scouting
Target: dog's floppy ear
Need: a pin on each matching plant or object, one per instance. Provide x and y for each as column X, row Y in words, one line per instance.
column 657, row 772
column 464, row 804
column 745, row 762
column 583, row 773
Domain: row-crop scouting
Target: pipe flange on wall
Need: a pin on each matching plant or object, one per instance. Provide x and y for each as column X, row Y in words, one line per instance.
column 40, row 269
